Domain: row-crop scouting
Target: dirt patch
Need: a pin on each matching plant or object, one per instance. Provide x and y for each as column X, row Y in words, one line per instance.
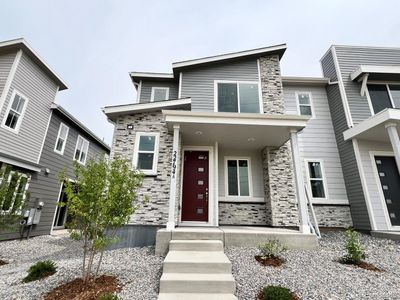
column 260, row 296
column 270, row 261
column 3, row 262
column 77, row 290
column 363, row 265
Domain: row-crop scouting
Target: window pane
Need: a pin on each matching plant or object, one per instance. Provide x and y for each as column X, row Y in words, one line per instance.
column 395, row 91
column 305, row 110
column 317, row 188
column 83, row 157
column 244, row 178
column 12, row 120
column 160, row 94
column 145, row 161
column 232, row 178
column 77, row 153
column 304, row 98
column 63, row 132
column 60, row 144
column 21, row 104
column 379, row 97
column 227, row 97
column 315, row 169
column 249, row 101
column 147, row 143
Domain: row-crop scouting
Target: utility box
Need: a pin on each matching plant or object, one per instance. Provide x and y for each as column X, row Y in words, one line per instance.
column 34, row 216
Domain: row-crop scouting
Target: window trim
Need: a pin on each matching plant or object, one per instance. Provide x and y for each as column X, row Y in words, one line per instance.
column 76, row 147
column 307, row 161
column 65, row 142
column 153, row 171
column 22, row 115
column 237, row 82
column 297, row 93
column 237, row 158
column 160, row 88
column 28, row 179
column 387, row 84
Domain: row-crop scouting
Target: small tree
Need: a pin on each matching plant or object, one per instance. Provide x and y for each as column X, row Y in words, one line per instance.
column 355, row 251
column 99, row 202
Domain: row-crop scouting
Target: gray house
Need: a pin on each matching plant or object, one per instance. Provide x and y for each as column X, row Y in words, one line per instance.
column 37, row 137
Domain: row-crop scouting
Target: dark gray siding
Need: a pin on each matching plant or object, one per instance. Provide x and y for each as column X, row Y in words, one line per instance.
column 199, row 84
column 6, row 62
column 328, row 66
column 145, row 91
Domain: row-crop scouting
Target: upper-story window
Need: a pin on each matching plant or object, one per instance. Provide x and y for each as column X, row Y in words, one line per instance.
column 61, row 138
column 145, row 155
column 81, row 150
column 241, row 97
column 159, row 93
column 304, row 103
column 384, row 96
column 15, row 111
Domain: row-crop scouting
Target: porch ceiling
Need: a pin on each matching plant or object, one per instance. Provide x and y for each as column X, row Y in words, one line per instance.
column 233, row 130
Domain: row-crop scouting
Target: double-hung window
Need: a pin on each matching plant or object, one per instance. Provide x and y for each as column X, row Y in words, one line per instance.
column 237, row 177
column 61, row 138
column 81, row 150
column 304, row 103
column 316, row 178
column 241, row 97
column 16, row 185
column 159, row 93
column 15, row 111
column 145, row 155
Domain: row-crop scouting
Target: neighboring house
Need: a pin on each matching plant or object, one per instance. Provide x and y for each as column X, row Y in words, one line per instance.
column 32, row 140
column 226, row 140
column 364, row 98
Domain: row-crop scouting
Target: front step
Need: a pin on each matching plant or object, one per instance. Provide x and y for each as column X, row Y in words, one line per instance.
column 197, row 234
column 197, row 296
column 196, row 245
column 197, row 283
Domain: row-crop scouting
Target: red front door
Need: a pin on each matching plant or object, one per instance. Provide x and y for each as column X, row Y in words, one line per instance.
column 195, row 186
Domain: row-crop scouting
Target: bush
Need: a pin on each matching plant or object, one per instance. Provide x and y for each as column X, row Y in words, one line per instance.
column 355, row 252
column 41, row 270
column 109, row 296
column 271, row 249
column 277, row 293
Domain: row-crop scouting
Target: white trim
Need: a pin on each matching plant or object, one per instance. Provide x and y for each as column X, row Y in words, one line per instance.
column 175, row 156
column 330, row 201
column 10, row 79
column 371, row 107
column 372, row 155
column 311, row 105
column 260, row 87
column 154, row 88
column 390, row 96
column 55, row 211
column 87, row 150
column 180, row 85
column 325, row 183
column 374, row 69
column 151, row 75
column 45, row 135
column 216, row 186
column 237, row 158
column 20, row 164
column 58, row 136
column 364, row 184
column 153, row 171
column 21, row 116
column 242, row 199
column 139, row 92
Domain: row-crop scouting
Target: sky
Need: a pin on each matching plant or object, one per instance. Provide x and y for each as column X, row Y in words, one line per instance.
column 93, row 44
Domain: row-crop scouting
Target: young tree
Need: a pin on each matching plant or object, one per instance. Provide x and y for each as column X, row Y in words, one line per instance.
column 99, row 202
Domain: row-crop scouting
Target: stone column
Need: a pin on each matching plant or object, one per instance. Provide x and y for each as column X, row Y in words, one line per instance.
column 395, row 141
column 174, row 179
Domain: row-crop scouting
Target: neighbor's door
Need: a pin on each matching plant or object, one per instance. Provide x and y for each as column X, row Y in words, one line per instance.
column 61, row 211
column 195, row 186
column 390, row 181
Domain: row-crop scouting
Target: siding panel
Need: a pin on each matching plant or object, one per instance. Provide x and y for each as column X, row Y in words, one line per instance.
column 145, row 92
column 6, row 62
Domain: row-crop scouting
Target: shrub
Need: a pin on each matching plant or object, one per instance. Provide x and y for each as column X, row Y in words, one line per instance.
column 355, row 252
column 277, row 293
column 109, row 296
column 271, row 249
column 40, row 270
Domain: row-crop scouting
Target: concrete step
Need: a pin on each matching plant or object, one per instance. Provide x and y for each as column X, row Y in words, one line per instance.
column 196, row 245
column 197, row 262
column 198, row 296
column 200, row 233
column 197, row 283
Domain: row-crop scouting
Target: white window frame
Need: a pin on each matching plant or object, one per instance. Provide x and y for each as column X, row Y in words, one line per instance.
column 387, row 83
column 310, row 105
column 87, row 150
column 21, row 117
column 237, row 158
column 15, row 191
column 58, row 137
column 154, row 88
column 325, row 183
column 153, row 171
column 261, row 109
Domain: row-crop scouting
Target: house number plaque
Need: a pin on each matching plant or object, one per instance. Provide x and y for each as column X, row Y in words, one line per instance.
column 174, row 158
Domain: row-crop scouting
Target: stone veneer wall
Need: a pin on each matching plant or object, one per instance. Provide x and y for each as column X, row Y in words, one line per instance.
column 242, row 213
column 156, row 187
column 333, row 216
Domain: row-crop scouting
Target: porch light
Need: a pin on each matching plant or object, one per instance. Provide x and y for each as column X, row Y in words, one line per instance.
column 251, row 139
column 198, row 132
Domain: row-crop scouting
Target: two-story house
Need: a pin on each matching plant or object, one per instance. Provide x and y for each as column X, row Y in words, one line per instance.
column 227, row 140
column 37, row 137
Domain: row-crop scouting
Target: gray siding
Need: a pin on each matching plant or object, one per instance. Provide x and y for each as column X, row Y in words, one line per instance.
column 317, row 140
column 31, row 81
column 6, row 62
column 145, row 91
column 199, row 84
column 328, row 66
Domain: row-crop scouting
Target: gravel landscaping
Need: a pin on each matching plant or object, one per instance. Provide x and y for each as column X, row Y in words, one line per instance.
column 316, row 274
column 138, row 269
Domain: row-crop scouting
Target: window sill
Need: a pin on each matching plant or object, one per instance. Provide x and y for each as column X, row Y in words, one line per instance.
column 241, row 199
column 330, row 201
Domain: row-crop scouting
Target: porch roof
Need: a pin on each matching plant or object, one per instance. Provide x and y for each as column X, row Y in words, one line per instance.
column 236, row 130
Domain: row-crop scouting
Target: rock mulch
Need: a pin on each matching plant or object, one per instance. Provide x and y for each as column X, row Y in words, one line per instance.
column 316, row 274
column 137, row 269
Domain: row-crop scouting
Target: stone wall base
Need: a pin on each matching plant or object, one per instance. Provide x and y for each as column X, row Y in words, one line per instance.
column 242, row 214
column 333, row 216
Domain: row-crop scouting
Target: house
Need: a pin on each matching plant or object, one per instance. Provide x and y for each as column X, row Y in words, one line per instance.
column 364, row 100
column 38, row 138
column 227, row 140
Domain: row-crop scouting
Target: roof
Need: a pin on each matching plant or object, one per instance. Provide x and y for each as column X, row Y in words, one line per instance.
column 376, row 72
column 305, row 80
column 70, row 117
column 137, row 76
column 22, row 44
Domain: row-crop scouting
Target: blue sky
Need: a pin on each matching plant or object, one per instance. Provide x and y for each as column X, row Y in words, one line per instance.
column 93, row 44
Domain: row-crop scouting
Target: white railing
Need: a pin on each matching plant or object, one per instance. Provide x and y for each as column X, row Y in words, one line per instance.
column 313, row 222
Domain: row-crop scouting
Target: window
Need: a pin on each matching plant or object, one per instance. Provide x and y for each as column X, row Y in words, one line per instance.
column 316, row 179
column 81, row 150
column 15, row 111
column 159, row 94
column 146, row 152
column 238, row 97
column 384, row 96
column 237, row 177
column 304, row 104
column 15, row 195
column 61, row 139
